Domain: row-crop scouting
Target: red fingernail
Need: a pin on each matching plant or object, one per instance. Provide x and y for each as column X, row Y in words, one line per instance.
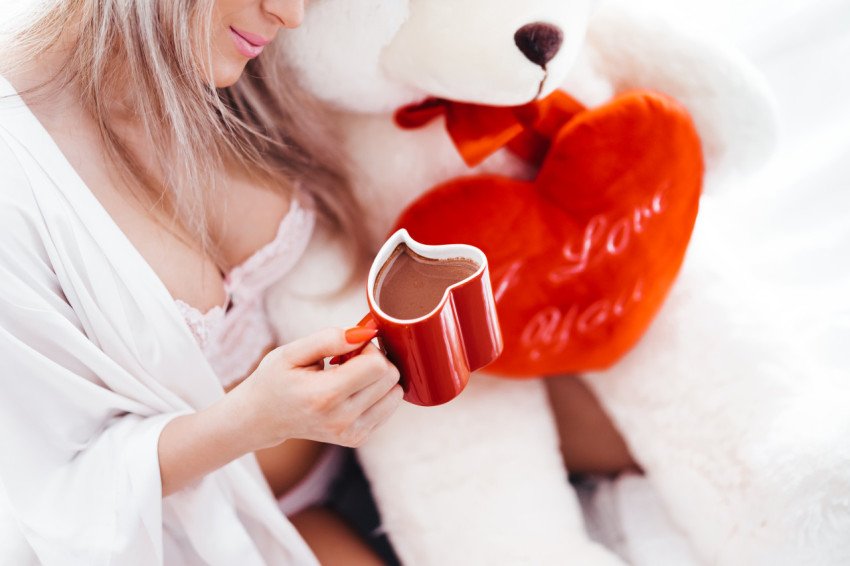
column 368, row 321
column 360, row 334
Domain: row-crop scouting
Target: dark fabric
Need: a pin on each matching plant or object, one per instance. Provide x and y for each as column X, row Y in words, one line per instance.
column 352, row 499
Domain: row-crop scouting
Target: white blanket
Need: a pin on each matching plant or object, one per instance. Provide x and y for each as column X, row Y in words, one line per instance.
column 96, row 360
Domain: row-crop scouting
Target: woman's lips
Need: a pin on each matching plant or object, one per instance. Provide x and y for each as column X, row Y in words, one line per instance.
column 248, row 44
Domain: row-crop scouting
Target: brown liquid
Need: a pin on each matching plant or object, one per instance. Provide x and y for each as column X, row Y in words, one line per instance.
column 409, row 285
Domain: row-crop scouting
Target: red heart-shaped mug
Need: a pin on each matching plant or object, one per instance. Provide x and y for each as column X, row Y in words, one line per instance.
column 436, row 352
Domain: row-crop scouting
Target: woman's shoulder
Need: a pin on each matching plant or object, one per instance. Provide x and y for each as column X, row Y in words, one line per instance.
column 20, row 220
column 15, row 129
column 12, row 109
column 29, row 278
column 15, row 188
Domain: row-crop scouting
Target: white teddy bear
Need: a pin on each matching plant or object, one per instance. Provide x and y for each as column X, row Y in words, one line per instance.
column 481, row 480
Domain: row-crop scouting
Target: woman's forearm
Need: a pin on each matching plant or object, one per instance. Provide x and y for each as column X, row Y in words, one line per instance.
column 194, row 445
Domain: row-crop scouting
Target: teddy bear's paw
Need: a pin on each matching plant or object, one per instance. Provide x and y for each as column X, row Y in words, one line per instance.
column 479, row 480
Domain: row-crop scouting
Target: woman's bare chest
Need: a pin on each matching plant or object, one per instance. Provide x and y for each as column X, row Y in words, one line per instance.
column 244, row 217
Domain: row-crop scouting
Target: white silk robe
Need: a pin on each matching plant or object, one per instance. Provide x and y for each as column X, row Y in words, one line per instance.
column 94, row 361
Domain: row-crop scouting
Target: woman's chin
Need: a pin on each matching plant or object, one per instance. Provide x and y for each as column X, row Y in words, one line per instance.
column 228, row 73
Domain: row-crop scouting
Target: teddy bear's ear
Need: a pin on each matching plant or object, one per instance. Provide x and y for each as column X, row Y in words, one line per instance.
column 733, row 108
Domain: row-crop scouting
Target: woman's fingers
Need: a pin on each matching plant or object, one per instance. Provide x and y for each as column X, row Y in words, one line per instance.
column 387, row 377
column 382, row 410
column 358, row 374
column 316, row 347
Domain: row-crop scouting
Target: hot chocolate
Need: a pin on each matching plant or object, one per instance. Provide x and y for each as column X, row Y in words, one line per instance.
column 409, row 285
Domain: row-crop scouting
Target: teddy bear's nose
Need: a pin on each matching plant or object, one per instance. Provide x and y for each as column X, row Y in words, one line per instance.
column 539, row 42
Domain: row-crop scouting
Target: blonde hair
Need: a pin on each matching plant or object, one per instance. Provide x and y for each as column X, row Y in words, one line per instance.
column 264, row 124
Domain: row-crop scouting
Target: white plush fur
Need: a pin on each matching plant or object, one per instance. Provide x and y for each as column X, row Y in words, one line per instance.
column 742, row 436
column 480, row 480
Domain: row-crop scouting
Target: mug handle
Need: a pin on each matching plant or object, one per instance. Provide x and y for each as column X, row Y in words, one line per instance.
column 369, row 322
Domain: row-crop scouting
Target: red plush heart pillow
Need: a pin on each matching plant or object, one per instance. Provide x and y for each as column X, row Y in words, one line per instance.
column 582, row 257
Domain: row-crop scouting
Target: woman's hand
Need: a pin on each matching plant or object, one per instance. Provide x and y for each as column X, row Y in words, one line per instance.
column 290, row 395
